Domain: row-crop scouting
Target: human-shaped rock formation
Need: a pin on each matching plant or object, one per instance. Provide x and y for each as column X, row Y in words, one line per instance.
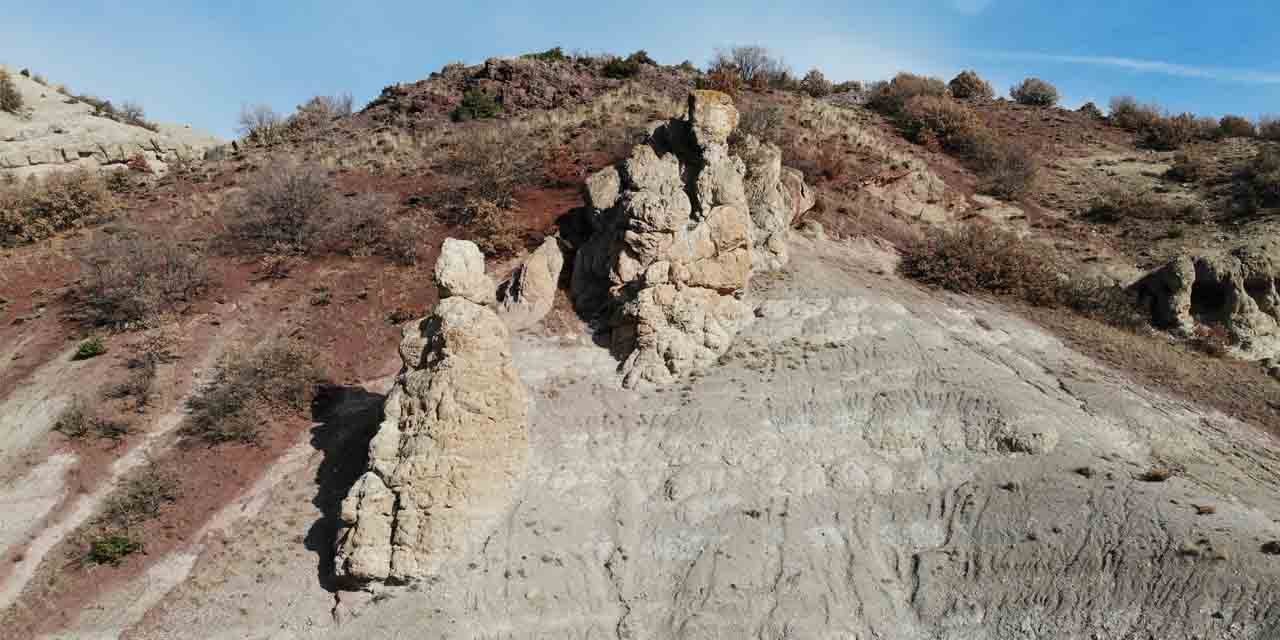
column 678, row 228
column 453, row 442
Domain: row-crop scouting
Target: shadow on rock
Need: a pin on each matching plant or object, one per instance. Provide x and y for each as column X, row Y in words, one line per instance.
column 347, row 418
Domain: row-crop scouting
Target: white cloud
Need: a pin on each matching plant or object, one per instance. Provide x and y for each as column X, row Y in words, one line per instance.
column 1246, row 76
column 970, row 7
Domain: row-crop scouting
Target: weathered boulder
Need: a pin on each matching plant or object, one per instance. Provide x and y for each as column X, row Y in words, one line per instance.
column 460, row 272
column 449, row 453
column 527, row 297
column 680, row 225
column 1235, row 289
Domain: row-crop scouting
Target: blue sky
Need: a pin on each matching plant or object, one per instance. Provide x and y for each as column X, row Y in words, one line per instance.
column 199, row 62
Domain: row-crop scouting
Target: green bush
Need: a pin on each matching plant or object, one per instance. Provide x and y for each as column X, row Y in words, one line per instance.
column 10, row 97
column 968, row 85
column 891, row 97
column 112, row 549
column 621, row 68
column 476, row 105
column 91, row 348
column 554, row 54
column 1036, row 92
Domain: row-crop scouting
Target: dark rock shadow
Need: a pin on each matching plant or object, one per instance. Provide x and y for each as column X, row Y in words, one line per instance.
column 346, row 419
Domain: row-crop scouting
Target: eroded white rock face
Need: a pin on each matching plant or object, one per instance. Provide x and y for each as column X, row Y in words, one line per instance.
column 452, row 446
column 1235, row 290
column 530, row 293
column 680, row 226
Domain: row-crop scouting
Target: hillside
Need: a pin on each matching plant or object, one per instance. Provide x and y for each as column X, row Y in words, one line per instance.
column 563, row 346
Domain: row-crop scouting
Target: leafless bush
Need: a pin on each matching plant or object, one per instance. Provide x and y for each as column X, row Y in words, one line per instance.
column 755, row 65
column 131, row 279
column 1007, row 168
column 245, row 387
column 139, row 499
column 280, row 210
column 260, row 123
column 496, row 230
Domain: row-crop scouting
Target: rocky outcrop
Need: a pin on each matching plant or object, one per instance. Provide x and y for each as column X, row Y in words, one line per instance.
column 460, row 272
column 1235, row 290
column 452, row 445
column 57, row 131
column 679, row 227
column 526, row 298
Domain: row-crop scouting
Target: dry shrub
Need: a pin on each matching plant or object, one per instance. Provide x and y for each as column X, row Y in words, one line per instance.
column 293, row 210
column 10, row 97
column 260, row 123
column 720, row 78
column 953, row 125
column 754, row 65
column 764, row 121
column 1118, row 203
column 1035, row 92
column 39, row 208
column 1188, row 166
column 1232, row 126
column 1269, row 128
column 1128, row 114
column 1006, row 168
column 1257, row 183
column 968, row 85
column 815, row 84
column 496, row 229
column 891, row 97
column 246, row 390
column 280, row 210
column 1103, row 300
column 495, row 161
column 981, row 259
column 139, row 499
column 131, row 279
column 1170, row 133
